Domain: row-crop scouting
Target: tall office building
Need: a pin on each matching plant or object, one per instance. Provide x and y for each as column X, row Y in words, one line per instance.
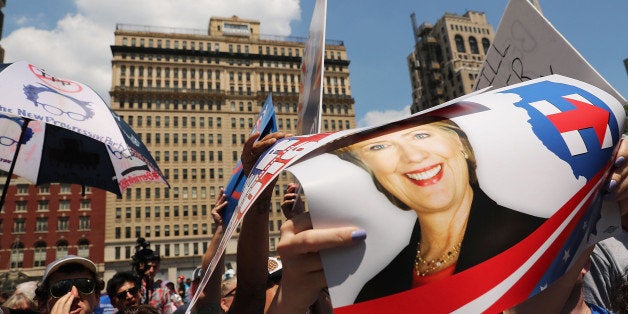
column 193, row 97
column 447, row 57
column 2, row 4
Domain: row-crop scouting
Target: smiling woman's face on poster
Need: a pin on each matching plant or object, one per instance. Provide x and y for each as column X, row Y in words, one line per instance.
column 423, row 166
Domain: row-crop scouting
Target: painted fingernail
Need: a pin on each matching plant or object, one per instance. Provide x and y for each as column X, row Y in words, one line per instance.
column 619, row 162
column 612, row 185
column 358, row 235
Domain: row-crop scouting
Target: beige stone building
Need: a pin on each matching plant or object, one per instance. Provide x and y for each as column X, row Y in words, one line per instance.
column 193, row 96
column 447, row 57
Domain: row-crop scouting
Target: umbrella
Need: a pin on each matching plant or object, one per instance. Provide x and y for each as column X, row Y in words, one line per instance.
column 58, row 130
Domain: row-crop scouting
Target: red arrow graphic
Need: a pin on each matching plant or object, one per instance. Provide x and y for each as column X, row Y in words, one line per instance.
column 584, row 116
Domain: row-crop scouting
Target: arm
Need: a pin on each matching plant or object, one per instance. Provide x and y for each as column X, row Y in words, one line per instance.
column 209, row 300
column 303, row 278
column 252, row 258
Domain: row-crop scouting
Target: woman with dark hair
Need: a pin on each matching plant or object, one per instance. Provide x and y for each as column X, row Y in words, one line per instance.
column 429, row 167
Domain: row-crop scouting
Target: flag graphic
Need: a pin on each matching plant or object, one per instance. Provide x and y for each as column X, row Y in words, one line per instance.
column 572, row 123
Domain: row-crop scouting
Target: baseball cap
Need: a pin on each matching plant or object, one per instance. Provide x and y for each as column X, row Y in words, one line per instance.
column 68, row 259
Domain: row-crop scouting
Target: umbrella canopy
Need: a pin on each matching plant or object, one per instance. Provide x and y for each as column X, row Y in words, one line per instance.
column 57, row 130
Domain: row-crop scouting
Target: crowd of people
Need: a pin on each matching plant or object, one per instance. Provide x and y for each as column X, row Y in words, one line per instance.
column 294, row 282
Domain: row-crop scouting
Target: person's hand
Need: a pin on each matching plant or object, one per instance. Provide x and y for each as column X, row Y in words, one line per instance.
column 64, row 304
column 219, row 208
column 302, row 274
column 618, row 185
column 253, row 150
column 292, row 204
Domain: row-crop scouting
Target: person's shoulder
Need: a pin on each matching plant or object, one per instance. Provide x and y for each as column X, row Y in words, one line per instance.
column 619, row 242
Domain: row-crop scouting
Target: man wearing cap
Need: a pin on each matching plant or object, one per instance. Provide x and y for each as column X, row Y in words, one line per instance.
column 124, row 290
column 69, row 285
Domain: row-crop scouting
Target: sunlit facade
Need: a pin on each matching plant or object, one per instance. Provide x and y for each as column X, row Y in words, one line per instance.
column 193, row 96
column 447, row 57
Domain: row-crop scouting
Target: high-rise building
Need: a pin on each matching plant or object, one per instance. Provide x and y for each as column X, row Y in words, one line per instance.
column 447, row 57
column 193, row 97
column 39, row 224
column 2, row 4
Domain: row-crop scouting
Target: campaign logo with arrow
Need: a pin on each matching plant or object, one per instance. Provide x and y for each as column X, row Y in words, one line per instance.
column 572, row 123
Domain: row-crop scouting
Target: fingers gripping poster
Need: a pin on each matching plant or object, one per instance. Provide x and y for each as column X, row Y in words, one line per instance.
column 492, row 196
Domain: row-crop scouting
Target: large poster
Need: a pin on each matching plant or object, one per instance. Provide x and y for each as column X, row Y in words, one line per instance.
column 485, row 200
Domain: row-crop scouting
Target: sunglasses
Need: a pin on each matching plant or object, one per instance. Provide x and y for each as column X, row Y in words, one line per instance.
column 62, row 287
column 132, row 291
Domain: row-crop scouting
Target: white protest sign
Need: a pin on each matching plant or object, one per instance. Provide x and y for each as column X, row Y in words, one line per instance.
column 527, row 46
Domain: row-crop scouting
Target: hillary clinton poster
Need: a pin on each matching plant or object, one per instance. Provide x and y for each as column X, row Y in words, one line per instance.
column 492, row 196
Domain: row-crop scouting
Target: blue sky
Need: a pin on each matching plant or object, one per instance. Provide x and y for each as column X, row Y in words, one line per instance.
column 71, row 37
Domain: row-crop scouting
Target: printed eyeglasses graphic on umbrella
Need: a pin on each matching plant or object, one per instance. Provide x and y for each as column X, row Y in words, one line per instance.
column 57, row 130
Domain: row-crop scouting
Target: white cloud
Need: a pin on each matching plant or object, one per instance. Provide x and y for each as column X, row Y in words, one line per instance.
column 78, row 47
column 377, row 117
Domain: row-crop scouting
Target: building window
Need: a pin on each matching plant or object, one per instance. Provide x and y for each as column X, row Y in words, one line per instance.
column 20, row 206
column 486, row 44
column 64, row 205
column 39, row 258
column 22, row 189
column 63, row 224
column 84, row 223
column 62, row 249
column 42, row 224
column 17, row 255
column 44, row 189
column 459, row 44
column 42, row 206
column 473, row 45
column 19, row 225
column 83, row 248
